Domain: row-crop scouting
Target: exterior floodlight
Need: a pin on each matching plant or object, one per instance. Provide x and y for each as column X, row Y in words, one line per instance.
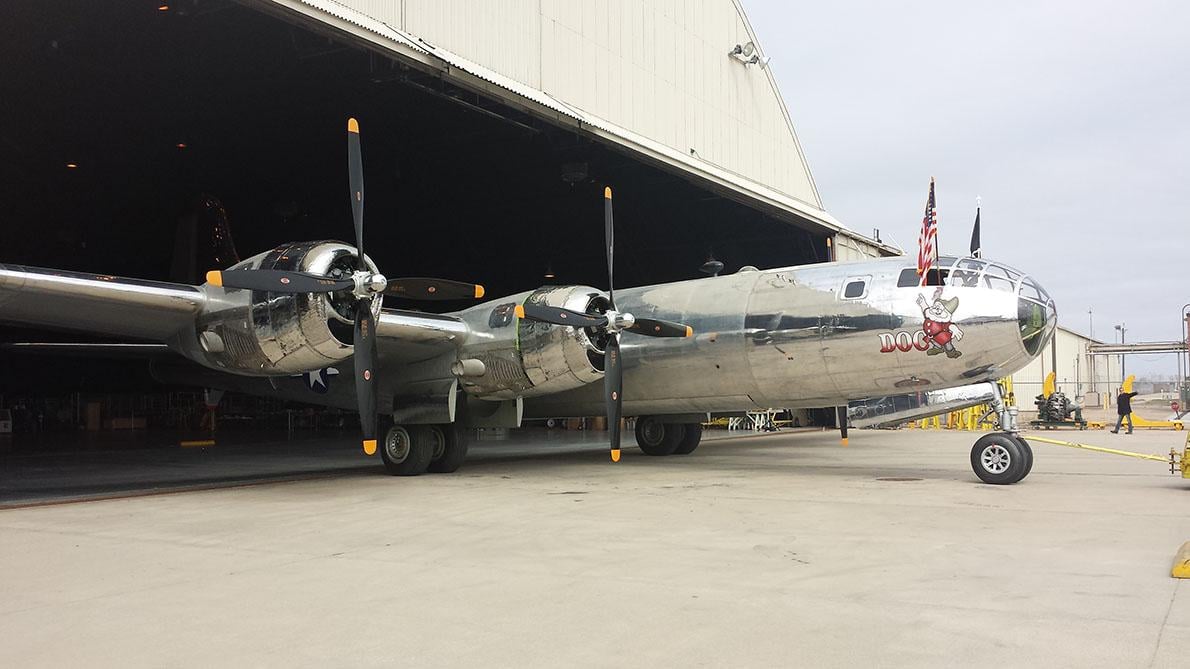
column 749, row 49
column 737, row 50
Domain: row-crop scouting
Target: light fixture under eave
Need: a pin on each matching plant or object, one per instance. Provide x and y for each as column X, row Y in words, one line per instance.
column 549, row 272
column 163, row 7
column 180, row 145
column 72, row 166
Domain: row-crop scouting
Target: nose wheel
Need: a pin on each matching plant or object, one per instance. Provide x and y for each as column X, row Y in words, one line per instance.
column 1001, row 458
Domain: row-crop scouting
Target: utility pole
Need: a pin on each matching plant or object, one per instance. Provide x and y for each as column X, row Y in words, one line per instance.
column 1123, row 368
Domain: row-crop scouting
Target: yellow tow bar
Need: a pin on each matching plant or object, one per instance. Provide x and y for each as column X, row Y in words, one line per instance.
column 1178, row 462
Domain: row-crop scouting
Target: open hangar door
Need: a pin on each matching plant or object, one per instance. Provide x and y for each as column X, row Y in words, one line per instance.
column 115, row 118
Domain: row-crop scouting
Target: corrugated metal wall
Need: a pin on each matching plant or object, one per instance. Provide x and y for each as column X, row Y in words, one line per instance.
column 1078, row 372
column 658, row 68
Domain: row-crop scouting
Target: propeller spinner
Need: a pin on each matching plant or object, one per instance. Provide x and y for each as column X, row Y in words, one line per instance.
column 612, row 322
column 366, row 286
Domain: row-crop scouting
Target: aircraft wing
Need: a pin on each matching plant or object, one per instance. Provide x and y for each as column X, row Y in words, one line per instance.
column 97, row 303
column 156, row 311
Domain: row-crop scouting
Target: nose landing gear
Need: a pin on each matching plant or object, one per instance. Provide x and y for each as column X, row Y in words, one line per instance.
column 1002, row 458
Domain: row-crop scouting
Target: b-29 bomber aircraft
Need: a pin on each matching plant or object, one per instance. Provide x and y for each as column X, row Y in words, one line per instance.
column 280, row 323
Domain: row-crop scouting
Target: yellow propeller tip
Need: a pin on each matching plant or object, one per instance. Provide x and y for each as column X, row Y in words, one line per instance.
column 215, row 278
column 689, row 331
column 607, row 192
column 370, row 446
column 519, row 311
column 478, row 291
column 616, row 455
column 353, row 126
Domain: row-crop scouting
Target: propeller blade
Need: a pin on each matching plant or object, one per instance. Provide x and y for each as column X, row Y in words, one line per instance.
column 559, row 316
column 613, row 391
column 610, row 237
column 421, row 288
column 277, row 281
column 355, row 176
column 656, row 328
column 365, row 373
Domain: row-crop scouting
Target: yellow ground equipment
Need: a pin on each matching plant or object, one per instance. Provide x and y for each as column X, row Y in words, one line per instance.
column 1179, row 463
column 1141, row 422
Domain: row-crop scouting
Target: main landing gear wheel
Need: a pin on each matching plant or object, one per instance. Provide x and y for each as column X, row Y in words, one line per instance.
column 691, row 437
column 1001, row 458
column 450, row 448
column 657, row 438
column 406, row 451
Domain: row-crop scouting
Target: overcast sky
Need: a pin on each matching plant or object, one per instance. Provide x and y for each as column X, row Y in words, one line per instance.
column 1070, row 119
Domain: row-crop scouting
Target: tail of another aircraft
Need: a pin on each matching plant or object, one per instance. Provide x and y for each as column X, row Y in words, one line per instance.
column 203, row 241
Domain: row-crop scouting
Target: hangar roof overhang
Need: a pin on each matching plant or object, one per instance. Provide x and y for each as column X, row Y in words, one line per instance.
column 381, row 37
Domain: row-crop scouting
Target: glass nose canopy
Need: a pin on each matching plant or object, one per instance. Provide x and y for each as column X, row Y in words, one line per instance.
column 1036, row 314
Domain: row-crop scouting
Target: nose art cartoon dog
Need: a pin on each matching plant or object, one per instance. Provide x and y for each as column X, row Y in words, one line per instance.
column 941, row 331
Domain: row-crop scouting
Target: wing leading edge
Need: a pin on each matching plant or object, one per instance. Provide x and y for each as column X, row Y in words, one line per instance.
column 157, row 311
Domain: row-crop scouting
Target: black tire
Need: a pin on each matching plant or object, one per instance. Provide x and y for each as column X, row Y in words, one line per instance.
column 999, row 459
column 453, row 450
column 657, row 438
column 406, row 451
column 691, row 438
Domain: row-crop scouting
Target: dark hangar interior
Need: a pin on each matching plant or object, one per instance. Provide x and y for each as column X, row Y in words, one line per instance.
column 117, row 119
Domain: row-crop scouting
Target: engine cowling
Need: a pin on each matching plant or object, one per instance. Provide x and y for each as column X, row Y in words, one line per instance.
column 269, row 334
column 524, row 358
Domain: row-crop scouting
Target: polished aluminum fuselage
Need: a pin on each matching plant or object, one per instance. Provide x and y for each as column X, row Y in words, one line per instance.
column 791, row 338
column 807, row 336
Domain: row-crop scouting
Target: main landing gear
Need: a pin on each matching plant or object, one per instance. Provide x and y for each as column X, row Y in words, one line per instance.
column 1002, row 458
column 657, row 438
column 409, row 450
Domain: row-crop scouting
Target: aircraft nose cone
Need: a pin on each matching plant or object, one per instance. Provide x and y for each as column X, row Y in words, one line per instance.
column 1037, row 315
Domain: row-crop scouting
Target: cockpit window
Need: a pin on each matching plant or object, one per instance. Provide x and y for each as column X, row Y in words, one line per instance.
column 1032, row 318
column 1032, row 291
column 908, row 278
column 936, row 277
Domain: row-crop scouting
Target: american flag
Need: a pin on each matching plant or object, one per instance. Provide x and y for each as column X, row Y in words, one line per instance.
column 927, row 241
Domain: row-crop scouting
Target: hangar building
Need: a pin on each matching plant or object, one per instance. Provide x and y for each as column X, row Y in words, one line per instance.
column 489, row 132
column 1094, row 378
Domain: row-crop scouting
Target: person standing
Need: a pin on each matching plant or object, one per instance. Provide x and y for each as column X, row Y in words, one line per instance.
column 1124, row 408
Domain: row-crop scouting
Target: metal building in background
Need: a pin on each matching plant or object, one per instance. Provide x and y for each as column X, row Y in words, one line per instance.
column 684, row 86
column 1078, row 371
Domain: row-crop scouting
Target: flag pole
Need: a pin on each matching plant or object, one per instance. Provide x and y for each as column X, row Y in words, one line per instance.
column 937, row 239
column 976, row 233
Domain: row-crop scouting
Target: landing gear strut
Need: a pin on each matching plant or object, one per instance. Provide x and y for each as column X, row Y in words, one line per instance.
column 1002, row 458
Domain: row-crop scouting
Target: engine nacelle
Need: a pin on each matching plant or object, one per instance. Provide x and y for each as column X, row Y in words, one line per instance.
column 525, row 358
column 270, row 334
